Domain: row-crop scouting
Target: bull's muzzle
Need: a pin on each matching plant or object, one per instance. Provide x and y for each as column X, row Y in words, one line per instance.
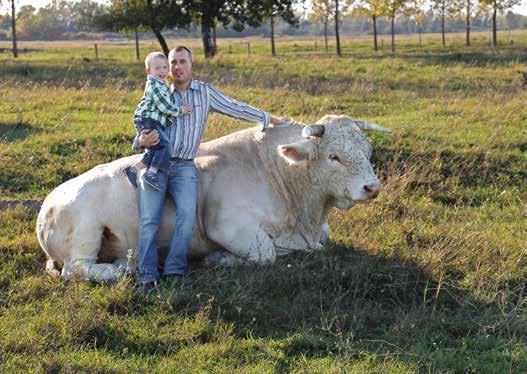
column 372, row 190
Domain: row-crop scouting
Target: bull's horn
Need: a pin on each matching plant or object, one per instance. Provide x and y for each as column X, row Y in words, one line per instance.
column 363, row 125
column 313, row 130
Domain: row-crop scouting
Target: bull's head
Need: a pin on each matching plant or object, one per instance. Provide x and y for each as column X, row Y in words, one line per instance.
column 338, row 158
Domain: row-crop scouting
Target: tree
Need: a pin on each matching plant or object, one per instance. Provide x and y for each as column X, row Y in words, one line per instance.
column 392, row 7
column 497, row 6
column 345, row 6
column 208, row 14
column 446, row 8
column 270, row 9
column 467, row 27
column 322, row 12
column 130, row 15
column 415, row 11
column 13, row 27
column 373, row 9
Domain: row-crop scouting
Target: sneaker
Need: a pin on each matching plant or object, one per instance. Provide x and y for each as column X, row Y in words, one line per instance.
column 150, row 178
column 131, row 173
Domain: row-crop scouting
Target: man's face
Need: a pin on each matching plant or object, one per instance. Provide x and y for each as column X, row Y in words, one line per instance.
column 181, row 67
column 158, row 68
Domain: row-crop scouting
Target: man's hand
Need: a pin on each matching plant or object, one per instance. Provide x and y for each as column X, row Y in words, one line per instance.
column 187, row 109
column 277, row 121
column 148, row 138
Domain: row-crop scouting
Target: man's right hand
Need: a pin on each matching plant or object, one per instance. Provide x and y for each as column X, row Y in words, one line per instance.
column 148, row 138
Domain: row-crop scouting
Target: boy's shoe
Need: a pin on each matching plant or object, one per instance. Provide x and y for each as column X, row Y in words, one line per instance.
column 131, row 173
column 150, row 178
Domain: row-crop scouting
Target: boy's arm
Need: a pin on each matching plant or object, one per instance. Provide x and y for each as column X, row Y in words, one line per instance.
column 161, row 98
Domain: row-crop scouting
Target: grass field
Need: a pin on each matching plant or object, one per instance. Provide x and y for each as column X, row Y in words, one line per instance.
column 430, row 277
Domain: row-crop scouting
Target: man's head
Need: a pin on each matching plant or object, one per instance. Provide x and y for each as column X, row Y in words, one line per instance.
column 156, row 64
column 180, row 59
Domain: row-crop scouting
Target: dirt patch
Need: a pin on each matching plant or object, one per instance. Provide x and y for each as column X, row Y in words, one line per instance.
column 31, row 205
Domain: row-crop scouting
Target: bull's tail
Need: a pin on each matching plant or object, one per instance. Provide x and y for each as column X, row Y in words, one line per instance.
column 51, row 269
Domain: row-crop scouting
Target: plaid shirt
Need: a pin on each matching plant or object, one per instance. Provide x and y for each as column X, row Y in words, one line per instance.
column 156, row 102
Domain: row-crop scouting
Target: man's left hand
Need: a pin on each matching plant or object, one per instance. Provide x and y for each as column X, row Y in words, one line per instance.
column 277, row 121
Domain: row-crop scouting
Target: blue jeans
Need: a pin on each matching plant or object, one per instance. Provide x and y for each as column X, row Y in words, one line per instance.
column 159, row 154
column 180, row 180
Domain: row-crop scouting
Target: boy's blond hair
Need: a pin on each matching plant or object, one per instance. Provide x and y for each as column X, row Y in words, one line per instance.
column 152, row 56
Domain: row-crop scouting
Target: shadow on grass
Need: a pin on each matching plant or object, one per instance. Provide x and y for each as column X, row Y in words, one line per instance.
column 330, row 293
column 12, row 132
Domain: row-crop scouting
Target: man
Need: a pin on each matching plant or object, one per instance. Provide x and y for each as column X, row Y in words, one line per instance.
column 180, row 180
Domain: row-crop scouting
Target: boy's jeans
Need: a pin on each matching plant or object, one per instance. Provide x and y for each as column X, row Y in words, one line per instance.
column 159, row 154
column 181, row 181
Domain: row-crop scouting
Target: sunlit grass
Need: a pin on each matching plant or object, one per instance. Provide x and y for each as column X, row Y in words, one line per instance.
column 430, row 276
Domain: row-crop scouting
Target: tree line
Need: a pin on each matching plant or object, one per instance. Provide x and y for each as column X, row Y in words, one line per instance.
column 211, row 18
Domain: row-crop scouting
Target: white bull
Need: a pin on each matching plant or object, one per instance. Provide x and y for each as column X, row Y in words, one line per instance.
column 261, row 194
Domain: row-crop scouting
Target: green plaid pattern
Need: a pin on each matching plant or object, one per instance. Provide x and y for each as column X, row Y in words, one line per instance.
column 156, row 103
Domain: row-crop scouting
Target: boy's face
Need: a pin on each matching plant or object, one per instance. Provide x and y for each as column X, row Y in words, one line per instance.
column 158, row 68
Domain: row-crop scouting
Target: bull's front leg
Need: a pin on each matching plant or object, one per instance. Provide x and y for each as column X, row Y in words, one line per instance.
column 245, row 243
column 90, row 270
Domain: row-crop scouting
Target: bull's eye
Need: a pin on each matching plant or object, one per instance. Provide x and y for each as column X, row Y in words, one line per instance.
column 334, row 158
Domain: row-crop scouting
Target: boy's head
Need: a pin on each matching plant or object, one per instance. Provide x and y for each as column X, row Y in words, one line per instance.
column 156, row 64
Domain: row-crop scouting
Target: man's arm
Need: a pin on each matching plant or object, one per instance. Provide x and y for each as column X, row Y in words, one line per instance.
column 146, row 139
column 221, row 103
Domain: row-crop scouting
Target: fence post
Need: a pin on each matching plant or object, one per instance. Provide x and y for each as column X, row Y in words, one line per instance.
column 96, row 52
column 248, row 48
column 230, row 48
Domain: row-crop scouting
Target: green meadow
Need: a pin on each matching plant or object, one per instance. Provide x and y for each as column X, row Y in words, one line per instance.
column 429, row 277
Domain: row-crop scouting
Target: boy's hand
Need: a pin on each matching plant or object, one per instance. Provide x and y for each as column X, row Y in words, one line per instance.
column 187, row 109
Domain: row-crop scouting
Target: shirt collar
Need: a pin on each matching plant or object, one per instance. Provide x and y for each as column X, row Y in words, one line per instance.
column 193, row 86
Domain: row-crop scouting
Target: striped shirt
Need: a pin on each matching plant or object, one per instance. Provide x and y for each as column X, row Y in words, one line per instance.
column 156, row 103
column 187, row 131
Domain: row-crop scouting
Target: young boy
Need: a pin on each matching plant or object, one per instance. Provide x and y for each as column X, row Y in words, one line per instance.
column 153, row 113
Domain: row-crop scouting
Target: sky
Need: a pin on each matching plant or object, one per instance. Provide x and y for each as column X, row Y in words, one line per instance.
column 521, row 9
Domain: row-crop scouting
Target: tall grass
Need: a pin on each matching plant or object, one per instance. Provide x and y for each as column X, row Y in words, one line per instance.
column 429, row 277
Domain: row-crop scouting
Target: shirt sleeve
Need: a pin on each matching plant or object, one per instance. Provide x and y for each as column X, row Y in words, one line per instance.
column 161, row 99
column 221, row 103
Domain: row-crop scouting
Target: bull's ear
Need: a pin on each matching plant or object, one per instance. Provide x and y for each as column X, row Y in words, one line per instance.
column 295, row 153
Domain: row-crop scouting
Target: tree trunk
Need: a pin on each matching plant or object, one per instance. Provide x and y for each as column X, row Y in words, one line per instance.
column 494, row 31
column 155, row 30
column 209, row 48
column 393, row 31
column 339, row 53
column 136, row 44
column 375, row 45
column 443, row 23
column 214, row 36
column 468, row 24
column 13, row 28
column 326, row 34
column 161, row 40
column 273, row 50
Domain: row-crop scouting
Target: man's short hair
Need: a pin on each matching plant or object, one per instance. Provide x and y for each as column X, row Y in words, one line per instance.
column 180, row 48
column 152, row 56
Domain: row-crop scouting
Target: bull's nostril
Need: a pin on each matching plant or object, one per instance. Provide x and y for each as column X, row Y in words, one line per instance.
column 372, row 189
